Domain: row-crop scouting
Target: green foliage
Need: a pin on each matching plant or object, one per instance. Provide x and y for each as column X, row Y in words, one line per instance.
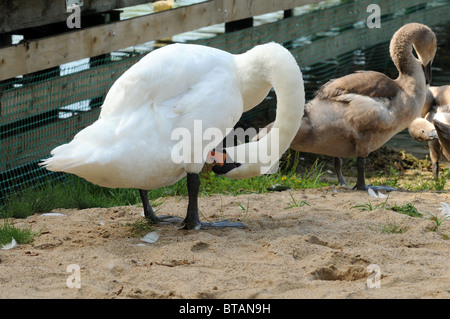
column 438, row 220
column 394, row 227
column 294, row 203
column 140, row 227
column 421, row 183
column 74, row 193
column 407, row 209
column 77, row 193
column 391, row 179
column 369, row 206
column 9, row 231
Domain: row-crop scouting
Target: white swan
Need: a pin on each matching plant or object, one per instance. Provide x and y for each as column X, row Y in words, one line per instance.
column 354, row 115
column 434, row 127
column 131, row 144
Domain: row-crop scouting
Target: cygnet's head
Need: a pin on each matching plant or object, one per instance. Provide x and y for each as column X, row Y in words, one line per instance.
column 422, row 130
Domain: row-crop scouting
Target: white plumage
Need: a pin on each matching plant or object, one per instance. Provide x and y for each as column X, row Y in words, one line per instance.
column 130, row 145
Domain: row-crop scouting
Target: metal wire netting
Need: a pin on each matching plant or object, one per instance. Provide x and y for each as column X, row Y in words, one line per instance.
column 42, row 110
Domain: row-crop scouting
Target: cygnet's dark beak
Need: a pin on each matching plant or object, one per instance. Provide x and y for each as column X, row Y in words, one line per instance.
column 427, row 72
column 433, row 134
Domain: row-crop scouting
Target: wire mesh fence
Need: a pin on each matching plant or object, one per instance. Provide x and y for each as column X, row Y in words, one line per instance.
column 42, row 110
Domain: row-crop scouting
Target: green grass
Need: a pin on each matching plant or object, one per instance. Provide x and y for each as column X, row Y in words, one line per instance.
column 369, row 206
column 437, row 220
column 418, row 183
column 295, row 203
column 140, row 227
column 394, row 227
column 76, row 193
column 391, row 179
column 407, row 209
column 9, row 231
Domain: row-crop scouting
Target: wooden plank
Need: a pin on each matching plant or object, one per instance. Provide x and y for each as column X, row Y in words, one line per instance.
column 20, row 14
column 40, row 97
column 49, row 52
column 36, row 144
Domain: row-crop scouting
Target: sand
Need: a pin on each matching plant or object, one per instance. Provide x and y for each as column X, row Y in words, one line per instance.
column 325, row 249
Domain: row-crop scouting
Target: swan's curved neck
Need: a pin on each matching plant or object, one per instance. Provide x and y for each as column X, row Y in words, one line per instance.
column 401, row 49
column 401, row 54
column 265, row 66
column 411, row 76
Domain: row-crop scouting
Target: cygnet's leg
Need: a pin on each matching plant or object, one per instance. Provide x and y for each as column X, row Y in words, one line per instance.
column 360, row 180
column 361, row 183
column 435, row 155
column 435, row 169
column 337, row 167
column 150, row 215
column 192, row 220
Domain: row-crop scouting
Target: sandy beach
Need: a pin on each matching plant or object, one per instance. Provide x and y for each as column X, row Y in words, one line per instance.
column 323, row 249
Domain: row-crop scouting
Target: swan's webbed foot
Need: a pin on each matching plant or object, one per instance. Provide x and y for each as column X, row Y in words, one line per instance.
column 150, row 215
column 192, row 221
column 376, row 188
column 222, row 224
column 167, row 219
column 212, row 225
column 175, row 220
column 382, row 188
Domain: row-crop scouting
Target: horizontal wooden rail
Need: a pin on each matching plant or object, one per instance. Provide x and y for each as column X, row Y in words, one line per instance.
column 40, row 54
column 20, row 14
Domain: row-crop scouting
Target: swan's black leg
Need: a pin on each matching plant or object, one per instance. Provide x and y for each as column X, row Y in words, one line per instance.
column 150, row 215
column 360, row 166
column 337, row 167
column 192, row 220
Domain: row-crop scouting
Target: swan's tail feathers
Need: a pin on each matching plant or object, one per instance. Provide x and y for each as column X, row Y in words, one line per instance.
column 65, row 158
column 57, row 164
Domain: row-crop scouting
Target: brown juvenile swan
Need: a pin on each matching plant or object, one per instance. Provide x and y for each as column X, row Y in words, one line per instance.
column 357, row 113
column 435, row 125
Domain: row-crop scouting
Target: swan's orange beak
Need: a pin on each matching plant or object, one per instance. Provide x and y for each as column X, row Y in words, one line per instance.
column 216, row 158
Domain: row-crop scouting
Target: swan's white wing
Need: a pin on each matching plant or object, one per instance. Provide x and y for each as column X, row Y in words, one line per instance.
column 164, row 75
column 130, row 145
